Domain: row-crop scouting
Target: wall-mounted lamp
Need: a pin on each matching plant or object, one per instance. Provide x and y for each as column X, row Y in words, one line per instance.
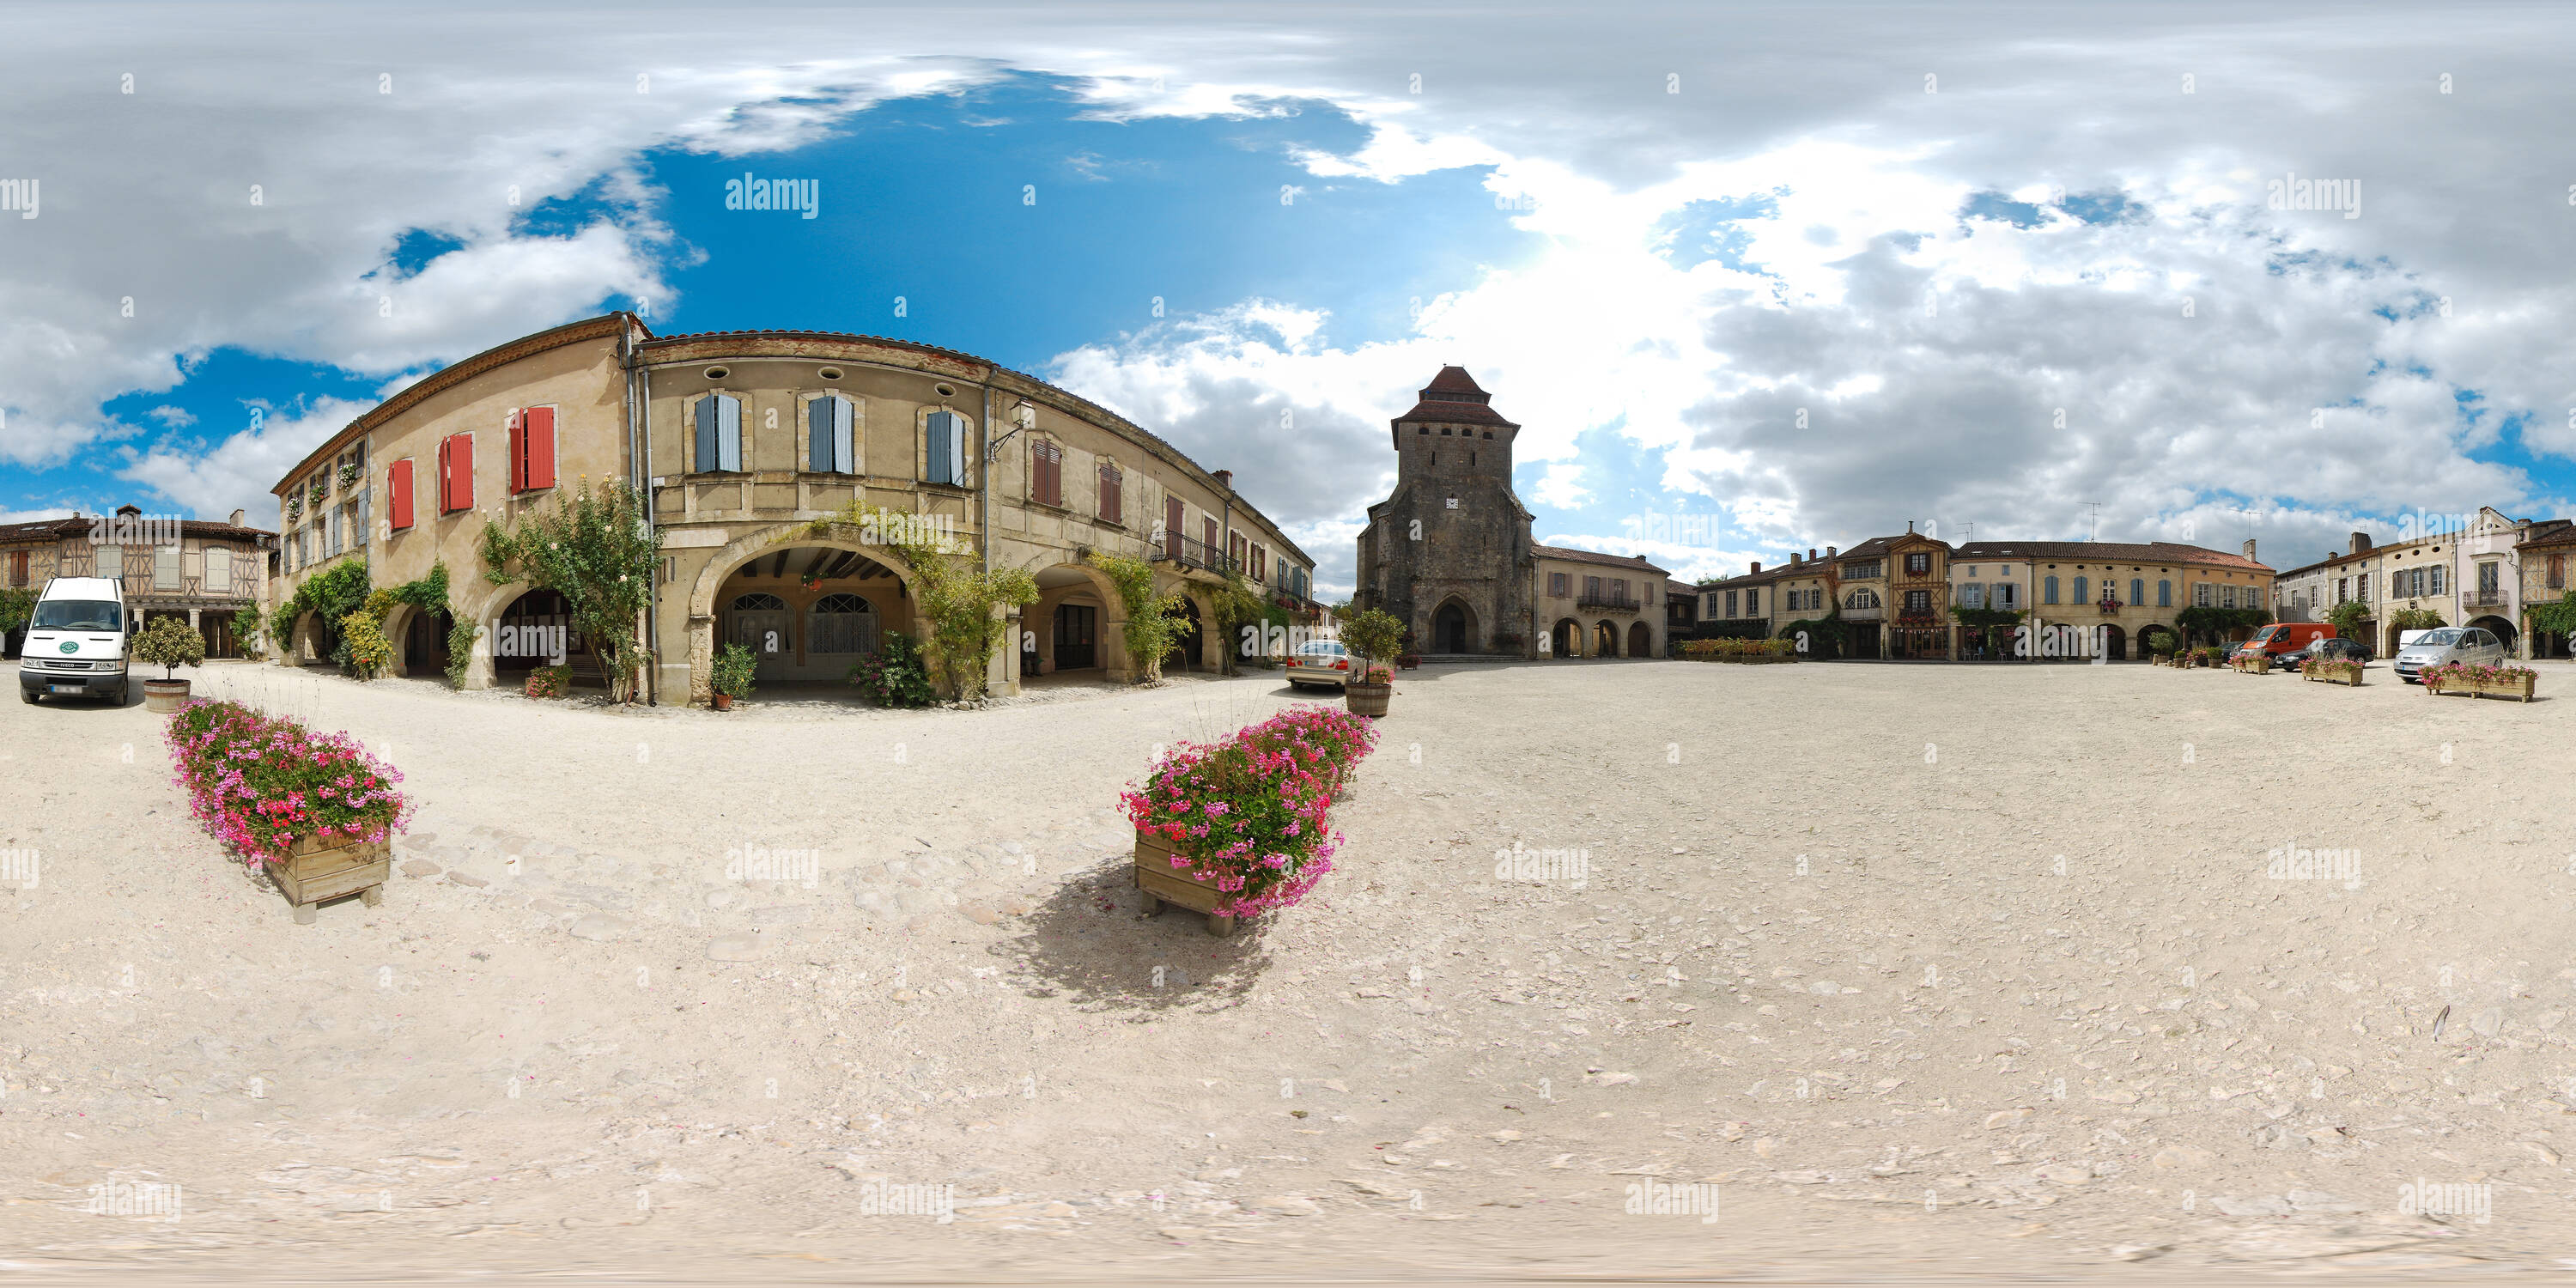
column 1024, row 415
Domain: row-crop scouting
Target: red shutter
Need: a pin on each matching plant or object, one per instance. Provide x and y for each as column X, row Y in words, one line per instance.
column 1172, row 534
column 398, row 494
column 456, row 474
column 518, row 453
column 541, row 447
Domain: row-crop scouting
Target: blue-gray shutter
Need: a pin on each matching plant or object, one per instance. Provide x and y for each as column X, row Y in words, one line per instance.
column 845, row 446
column 728, row 434
column 942, row 468
column 957, row 448
column 705, row 411
column 818, row 435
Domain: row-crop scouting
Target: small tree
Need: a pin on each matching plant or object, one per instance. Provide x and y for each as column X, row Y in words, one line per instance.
column 1237, row 604
column 960, row 603
column 17, row 605
column 2414, row 619
column 247, row 627
column 2346, row 617
column 1375, row 636
column 595, row 548
column 362, row 639
column 170, row 643
column 1154, row 622
column 733, row 671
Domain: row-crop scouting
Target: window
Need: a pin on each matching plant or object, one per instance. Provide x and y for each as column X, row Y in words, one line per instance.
column 2164, row 594
column 2048, row 590
column 111, row 562
column 456, row 473
column 532, row 449
column 1618, row 588
column 1971, row 595
column 1046, row 472
column 1113, row 502
column 831, row 436
column 2343, row 589
column 1207, row 527
column 2435, row 581
column 219, row 570
column 2486, row 579
column 2083, row 590
column 1234, row 551
column 1650, row 592
column 1866, row 571
column 1918, row 603
column 1730, row 606
column 1556, row 584
column 17, row 567
column 842, row 623
column 718, row 434
column 1260, row 563
column 1865, row 598
column 2137, row 591
column 2007, row 595
column 944, row 448
column 398, row 495
column 2557, row 572
column 165, row 567
column 2203, row 595
column 2227, row 597
column 1753, row 603
column 1592, row 589
column 1918, row 563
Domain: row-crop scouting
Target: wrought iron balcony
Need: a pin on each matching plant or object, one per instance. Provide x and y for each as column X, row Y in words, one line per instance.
column 1606, row 601
column 2486, row 599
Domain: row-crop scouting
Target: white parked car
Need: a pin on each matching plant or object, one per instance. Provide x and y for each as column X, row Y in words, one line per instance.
column 76, row 641
column 1319, row 662
column 2469, row 644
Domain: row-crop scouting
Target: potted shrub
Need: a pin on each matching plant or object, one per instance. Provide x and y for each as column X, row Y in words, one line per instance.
column 168, row 643
column 549, row 681
column 1374, row 637
column 733, row 675
column 315, row 810
column 1238, row 827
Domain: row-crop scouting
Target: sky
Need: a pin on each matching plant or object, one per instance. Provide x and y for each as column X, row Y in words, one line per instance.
column 1754, row 278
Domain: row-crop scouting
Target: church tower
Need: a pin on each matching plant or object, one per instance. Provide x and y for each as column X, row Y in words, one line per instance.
column 1448, row 553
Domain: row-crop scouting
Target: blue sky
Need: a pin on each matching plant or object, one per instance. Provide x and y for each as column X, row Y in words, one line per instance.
column 1713, row 268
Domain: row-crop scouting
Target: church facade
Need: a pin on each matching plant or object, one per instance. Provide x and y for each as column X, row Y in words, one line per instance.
column 1449, row 552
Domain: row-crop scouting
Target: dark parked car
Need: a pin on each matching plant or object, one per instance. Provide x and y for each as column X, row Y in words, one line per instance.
column 2334, row 649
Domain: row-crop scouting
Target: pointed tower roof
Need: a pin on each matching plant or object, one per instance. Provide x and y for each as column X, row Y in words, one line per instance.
column 1453, row 398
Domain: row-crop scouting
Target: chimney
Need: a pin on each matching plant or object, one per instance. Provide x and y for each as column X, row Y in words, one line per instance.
column 1811, row 554
column 1909, row 525
column 238, row 517
column 1829, row 552
column 1793, row 558
column 2249, row 547
column 1757, row 567
column 2361, row 543
column 1225, row 479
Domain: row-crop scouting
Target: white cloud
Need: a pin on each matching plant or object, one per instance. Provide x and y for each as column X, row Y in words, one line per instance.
column 1562, row 487
column 209, row 482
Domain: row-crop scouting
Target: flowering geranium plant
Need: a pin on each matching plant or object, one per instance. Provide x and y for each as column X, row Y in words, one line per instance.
column 1246, row 814
column 261, row 783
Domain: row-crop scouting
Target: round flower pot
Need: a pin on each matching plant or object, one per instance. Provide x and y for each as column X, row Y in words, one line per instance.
column 1367, row 699
column 724, row 702
column 165, row 696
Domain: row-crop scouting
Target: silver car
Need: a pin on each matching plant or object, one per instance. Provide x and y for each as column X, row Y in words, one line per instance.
column 2450, row 644
column 1319, row 662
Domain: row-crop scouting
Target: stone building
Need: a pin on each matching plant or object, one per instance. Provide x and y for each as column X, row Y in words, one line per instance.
column 198, row 569
column 2110, row 594
column 740, row 439
column 1449, row 552
column 2545, row 561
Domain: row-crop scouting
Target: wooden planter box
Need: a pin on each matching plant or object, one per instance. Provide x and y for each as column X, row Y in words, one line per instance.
column 1367, row 699
column 2353, row 680
column 314, row 873
column 2519, row 688
column 2260, row 664
column 1162, row 883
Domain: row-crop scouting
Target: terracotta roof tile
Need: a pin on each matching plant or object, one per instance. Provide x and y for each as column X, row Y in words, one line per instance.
column 2104, row 552
column 1594, row 556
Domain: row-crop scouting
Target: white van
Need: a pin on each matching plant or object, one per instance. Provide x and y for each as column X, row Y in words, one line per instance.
column 76, row 641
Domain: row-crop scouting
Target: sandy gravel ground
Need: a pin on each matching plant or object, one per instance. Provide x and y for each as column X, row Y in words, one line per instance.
column 1928, row 971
